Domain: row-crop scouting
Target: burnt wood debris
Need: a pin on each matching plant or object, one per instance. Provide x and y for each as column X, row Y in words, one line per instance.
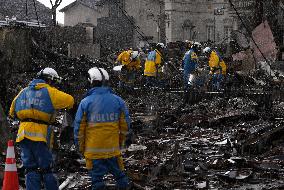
column 202, row 139
column 232, row 139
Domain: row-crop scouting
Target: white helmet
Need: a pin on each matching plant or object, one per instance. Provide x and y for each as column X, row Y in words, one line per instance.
column 162, row 45
column 207, row 50
column 98, row 74
column 49, row 73
column 134, row 54
column 188, row 41
column 196, row 45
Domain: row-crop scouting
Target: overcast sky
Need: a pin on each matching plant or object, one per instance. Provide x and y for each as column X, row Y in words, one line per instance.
column 60, row 16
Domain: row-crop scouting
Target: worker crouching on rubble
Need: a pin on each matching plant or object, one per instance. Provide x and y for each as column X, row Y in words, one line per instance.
column 153, row 65
column 100, row 129
column 190, row 64
column 131, row 65
column 35, row 107
column 217, row 66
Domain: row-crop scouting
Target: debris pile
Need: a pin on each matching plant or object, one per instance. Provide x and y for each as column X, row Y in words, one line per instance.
column 223, row 143
column 213, row 144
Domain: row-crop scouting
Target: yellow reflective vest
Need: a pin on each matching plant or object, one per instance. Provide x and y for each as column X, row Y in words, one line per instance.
column 35, row 107
column 125, row 59
column 154, row 59
column 216, row 63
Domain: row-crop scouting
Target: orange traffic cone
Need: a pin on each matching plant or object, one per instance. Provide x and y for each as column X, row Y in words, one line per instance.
column 11, row 181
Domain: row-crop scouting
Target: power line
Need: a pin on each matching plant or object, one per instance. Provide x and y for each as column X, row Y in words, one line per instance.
column 141, row 33
column 233, row 6
column 135, row 27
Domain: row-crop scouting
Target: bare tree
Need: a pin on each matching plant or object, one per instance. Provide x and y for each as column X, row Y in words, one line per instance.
column 54, row 5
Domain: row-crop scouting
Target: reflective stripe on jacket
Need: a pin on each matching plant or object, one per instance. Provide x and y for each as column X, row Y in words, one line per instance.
column 101, row 124
column 216, row 63
column 125, row 59
column 153, row 60
column 38, row 102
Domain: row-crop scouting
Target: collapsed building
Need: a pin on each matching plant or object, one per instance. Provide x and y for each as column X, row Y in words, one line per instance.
column 226, row 140
column 213, row 140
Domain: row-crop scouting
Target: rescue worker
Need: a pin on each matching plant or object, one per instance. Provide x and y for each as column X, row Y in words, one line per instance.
column 218, row 67
column 190, row 63
column 187, row 46
column 153, row 64
column 131, row 65
column 35, row 106
column 100, row 129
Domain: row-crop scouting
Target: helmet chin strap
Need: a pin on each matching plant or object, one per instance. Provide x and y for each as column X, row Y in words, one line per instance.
column 103, row 77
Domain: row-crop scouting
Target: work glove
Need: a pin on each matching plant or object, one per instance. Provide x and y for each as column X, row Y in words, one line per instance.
column 159, row 68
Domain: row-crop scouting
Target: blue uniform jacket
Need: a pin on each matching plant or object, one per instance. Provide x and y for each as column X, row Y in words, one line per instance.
column 190, row 61
column 35, row 107
column 101, row 124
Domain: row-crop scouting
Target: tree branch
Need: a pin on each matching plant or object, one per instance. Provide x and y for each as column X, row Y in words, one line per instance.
column 51, row 3
column 56, row 3
column 60, row 1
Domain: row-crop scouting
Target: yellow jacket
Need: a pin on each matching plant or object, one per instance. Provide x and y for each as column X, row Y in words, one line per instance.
column 154, row 59
column 216, row 63
column 35, row 107
column 125, row 59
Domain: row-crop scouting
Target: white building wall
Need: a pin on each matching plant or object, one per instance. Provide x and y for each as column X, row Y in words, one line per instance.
column 82, row 14
column 201, row 15
column 146, row 16
column 179, row 14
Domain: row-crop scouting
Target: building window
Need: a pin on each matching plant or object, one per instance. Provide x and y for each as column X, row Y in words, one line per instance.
column 210, row 32
column 227, row 33
column 150, row 16
column 167, row 16
column 168, row 24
